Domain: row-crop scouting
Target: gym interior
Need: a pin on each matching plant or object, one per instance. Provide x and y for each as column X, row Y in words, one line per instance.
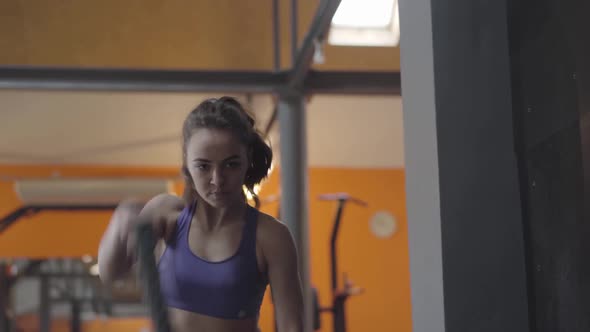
column 460, row 204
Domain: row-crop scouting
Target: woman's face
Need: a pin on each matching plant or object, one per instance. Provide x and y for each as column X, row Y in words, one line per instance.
column 217, row 162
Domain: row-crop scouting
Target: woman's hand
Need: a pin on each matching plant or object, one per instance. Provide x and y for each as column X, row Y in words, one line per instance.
column 117, row 247
column 161, row 212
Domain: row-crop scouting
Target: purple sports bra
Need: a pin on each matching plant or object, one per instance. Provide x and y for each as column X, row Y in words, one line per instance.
column 229, row 289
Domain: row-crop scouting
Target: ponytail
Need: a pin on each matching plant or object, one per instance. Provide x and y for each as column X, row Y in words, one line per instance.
column 261, row 160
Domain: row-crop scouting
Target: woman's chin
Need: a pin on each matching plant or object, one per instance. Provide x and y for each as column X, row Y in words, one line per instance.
column 221, row 200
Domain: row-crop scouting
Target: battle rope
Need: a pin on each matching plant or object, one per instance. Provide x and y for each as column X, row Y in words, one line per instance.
column 149, row 278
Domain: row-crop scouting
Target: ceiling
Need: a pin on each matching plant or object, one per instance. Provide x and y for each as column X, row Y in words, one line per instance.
column 143, row 129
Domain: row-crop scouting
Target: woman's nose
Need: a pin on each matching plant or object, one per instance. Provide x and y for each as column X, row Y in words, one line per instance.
column 217, row 177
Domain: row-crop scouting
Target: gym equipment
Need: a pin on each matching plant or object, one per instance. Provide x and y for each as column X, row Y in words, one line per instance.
column 96, row 191
column 70, row 194
column 271, row 199
column 314, row 292
column 150, row 280
column 339, row 295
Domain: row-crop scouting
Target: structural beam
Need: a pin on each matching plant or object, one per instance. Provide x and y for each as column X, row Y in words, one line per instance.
column 294, row 196
column 140, row 80
column 350, row 82
column 29, row 210
column 319, row 27
column 316, row 82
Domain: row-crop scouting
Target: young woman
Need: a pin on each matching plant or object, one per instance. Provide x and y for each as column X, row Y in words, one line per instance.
column 216, row 254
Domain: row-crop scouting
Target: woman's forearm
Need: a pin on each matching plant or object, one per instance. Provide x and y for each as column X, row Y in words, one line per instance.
column 114, row 258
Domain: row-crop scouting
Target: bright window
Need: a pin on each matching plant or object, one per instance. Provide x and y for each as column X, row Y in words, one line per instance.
column 365, row 23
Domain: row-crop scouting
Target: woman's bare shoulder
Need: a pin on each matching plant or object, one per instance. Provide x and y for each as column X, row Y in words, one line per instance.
column 165, row 200
column 279, row 250
column 272, row 231
column 268, row 223
column 163, row 204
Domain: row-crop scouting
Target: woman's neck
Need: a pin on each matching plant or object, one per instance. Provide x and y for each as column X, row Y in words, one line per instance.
column 211, row 218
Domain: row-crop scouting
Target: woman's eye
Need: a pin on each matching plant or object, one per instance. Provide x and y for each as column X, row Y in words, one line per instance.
column 233, row 164
column 202, row 167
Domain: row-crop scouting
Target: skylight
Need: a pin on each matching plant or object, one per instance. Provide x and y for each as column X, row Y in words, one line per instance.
column 365, row 23
column 364, row 14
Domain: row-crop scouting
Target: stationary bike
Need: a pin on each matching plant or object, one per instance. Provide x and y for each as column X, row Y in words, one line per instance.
column 339, row 295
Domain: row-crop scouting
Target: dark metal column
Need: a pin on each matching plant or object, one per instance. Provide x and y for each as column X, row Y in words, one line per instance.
column 467, row 258
column 76, row 319
column 276, row 28
column 294, row 30
column 294, row 196
column 44, row 305
column 4, row 299
column 551, row 103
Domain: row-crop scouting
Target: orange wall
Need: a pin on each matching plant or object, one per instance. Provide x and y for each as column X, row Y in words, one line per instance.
column 117, row 325
column 221, row 34
column 30, row 323
column 58, row 234
column 378, row 265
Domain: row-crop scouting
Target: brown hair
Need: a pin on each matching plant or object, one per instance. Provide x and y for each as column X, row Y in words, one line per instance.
column 227, row 113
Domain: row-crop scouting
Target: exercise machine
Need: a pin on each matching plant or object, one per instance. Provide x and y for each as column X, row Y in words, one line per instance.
column 316, row 312
column 339, row 294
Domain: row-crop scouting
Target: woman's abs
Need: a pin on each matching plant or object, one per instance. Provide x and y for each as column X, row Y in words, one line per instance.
column 186, row 321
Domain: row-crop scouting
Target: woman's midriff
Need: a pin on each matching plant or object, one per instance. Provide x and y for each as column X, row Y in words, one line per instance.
column 185, row 321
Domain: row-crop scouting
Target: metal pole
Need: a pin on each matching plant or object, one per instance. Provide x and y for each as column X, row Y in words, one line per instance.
column 4, row 298
column 303, row 60
column 17, row 77
column 338, row 301
column 76, row 323
column 294, row 27
column 294, row 210
column 333, row 246
column 276, row 34
column 30, row 210
column 275, row 82
column 44, row 305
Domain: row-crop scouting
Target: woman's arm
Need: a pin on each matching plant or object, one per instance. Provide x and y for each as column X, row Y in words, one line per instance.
column 283, row 271
column 116, row 250
column 114, row 260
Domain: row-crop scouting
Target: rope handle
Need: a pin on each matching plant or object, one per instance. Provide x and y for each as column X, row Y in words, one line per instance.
column 149, row 277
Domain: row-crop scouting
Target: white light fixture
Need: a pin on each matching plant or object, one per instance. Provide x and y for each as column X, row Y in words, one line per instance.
column 87, row 259
column 94, row 270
